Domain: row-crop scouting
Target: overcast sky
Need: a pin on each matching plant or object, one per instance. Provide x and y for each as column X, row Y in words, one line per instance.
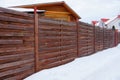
column 88, row 9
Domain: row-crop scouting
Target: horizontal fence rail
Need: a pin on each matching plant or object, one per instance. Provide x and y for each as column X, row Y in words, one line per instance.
column 59, row 42
column 16, row 45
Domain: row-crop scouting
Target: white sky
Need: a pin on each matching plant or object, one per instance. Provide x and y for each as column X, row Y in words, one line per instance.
column 88, row 9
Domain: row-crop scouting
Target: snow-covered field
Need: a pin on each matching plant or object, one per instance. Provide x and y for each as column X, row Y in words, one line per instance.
column 104, row 65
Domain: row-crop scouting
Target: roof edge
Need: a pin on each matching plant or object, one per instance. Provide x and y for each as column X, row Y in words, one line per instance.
column 60, row 2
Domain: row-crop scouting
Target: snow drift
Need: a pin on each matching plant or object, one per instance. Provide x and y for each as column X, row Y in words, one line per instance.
column 103, row 65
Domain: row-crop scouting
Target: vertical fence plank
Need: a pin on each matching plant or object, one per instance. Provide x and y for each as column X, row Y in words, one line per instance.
column 77, row 29
column 103, row 37
column 94, row 39
column 115, row 37
column 36, row 32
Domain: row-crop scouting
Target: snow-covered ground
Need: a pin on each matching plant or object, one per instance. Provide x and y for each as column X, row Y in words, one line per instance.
column 104, row 65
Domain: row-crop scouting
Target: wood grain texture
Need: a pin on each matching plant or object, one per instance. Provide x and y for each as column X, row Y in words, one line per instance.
column 16, row 45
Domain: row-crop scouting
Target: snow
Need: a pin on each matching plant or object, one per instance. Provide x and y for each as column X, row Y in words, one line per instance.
column 103, row 65
column 25, row 10
column 110, row 20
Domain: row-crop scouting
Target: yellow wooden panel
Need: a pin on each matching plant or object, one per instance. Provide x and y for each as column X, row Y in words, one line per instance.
column 56, row 12
column 58, row 15
column 53, row 8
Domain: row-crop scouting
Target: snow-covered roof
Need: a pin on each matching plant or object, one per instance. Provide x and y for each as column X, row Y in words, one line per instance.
column 26, row 10
column 104, row 19
column 112, row 19
column 98, row 23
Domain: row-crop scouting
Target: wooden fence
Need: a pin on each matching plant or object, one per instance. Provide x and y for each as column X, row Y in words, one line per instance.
column 59, row 42
column 86, row 39
column 16, row 45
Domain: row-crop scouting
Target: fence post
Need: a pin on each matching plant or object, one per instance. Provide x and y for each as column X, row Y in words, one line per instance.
column 118, row 37
column 77, row 28
column 36, row 32
column 61, row 37
column 115, row 37
column 103, row 37
column 94, row 39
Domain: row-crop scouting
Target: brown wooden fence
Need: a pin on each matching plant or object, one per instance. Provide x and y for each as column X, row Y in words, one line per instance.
column 59, row 42
column 86, row 39
column 16, row 45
